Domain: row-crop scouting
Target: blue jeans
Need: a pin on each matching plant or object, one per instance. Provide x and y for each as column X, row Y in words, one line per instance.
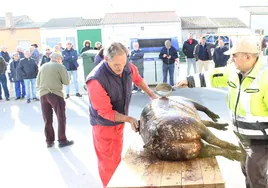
column 141, row 70
column 168, row 68
column 27, row 83
column 74, row 74
column 190, row 62
column 20, row 89
column 3, row 81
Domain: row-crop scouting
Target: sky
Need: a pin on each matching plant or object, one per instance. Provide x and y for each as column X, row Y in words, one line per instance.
column 44, row 10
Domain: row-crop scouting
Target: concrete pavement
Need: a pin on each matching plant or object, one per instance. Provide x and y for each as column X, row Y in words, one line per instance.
column 26, row 162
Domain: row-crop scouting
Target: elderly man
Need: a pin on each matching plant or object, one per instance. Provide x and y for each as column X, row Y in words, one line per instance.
column 136, row 57
column 5, row 54
column 3, row 78
column 248, row 103
column 70, row 62
column 169, row 55
column 219, row 58
column 50, row 79
column 109, row 88
column 188, row 50
column 35, row 53
column 20, row 52
column 28, row 71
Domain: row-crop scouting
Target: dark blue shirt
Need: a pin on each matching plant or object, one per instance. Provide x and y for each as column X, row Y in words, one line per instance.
column 203, row 53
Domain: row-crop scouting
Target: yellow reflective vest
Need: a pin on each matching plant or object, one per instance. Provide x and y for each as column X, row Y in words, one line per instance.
column 247, row 98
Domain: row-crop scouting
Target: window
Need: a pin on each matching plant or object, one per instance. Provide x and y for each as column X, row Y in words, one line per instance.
column 24, row 44
column 51, row 42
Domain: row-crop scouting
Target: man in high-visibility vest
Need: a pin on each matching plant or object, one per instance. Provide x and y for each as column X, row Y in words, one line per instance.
column 248, row 102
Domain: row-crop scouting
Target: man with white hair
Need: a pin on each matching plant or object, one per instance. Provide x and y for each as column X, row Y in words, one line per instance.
column 70, row 62
column 5, row 54
column 248, row 104
column 20, row 52
column 136, row 57
column 51, row 77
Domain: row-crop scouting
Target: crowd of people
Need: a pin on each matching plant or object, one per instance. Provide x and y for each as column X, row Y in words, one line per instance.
column 109, row 88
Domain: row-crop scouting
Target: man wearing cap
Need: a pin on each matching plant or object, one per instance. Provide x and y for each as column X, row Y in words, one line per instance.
column 248, row 103
column 51, row 77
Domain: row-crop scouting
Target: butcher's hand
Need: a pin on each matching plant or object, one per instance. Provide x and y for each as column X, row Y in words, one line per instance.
column 183, row 83
column 134, row 123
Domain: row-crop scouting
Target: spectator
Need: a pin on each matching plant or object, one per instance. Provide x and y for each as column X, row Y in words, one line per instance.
column 70, row 62
column 16, row 77
column 50, row 79
column 35, row 55
column 168, row 54
column 109, row 89
column 46, row 57
column 5, row 54
column 202, row 53
column 28, row 70
column 98, row 46
column 57, row 49
column 219, row 58
column 263, row 46
column 3, row 78
column 188, row 50
column 136, row 57
column 20, row 52
column 87, row 46
column 60, row 45
column 99, row 57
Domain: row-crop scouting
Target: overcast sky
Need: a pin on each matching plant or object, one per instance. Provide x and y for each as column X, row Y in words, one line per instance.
column 41, row 11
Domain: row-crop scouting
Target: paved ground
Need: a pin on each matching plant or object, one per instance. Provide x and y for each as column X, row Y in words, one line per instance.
column 26, row 162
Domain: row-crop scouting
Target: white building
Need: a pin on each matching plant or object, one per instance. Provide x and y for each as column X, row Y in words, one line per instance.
column 59, row 30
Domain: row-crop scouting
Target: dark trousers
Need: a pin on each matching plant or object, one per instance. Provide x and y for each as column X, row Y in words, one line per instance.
column 3, row 81
column 141, row 70
column 20, row 89
column 256, row 166
column 168, row 68
column 48, row 103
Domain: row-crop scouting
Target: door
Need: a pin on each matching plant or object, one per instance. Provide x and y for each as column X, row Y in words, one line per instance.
column 94, row 35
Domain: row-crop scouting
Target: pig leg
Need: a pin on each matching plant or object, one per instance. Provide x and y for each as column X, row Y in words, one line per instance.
column 219, row 126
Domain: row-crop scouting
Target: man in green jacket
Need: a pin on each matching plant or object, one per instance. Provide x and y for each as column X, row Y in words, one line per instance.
column 248, row 103
column 50, row 79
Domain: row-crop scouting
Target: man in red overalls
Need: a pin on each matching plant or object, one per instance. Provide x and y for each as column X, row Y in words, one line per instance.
column 109, row 88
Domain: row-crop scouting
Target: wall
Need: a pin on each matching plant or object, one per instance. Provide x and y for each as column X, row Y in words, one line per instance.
column 59, row 35
column 11, row 38
column 259, row 22
column 124, row 32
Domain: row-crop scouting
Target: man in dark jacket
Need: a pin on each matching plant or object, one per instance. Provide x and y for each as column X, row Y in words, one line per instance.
column 168, row 54
column 70, row 62
column 219, row 58
column 136, row 57
column 16, row 78
column 202, row 53
column 20, row 52
column 5, row 54
column 188, row 50
column 3, row 78
column 28, row 70
column 87, row 46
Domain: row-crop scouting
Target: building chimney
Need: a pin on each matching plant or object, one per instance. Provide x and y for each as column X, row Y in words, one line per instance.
column 9, row 20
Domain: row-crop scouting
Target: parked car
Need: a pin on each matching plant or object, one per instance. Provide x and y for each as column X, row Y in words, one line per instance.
column 210, row 38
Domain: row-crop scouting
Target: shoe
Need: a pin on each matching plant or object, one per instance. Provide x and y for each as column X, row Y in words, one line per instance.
column 17, row 98
column 173, row 89
column 49, row 145
column 7, row 99
column 67, row 96
column 1, row 98
column 22, row 97
column 78, row 95
column 28, row 100
column 36, row 99
column 67, row 143
column 134, row 91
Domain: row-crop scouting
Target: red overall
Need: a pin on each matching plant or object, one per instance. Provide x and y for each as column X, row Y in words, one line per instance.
column 108, row 140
